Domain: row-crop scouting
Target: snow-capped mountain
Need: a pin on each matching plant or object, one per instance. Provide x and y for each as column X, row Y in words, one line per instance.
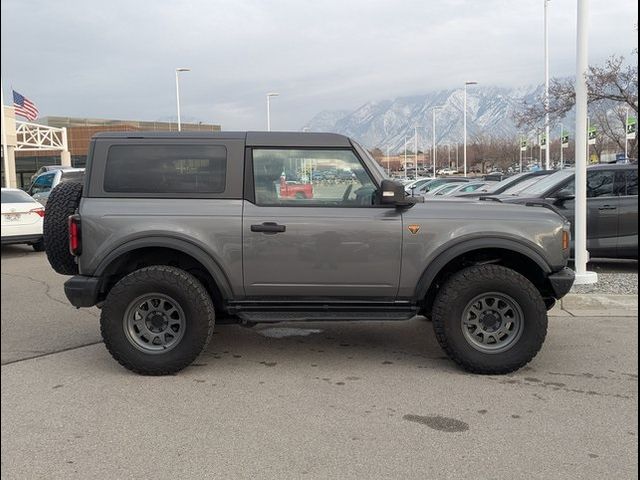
column 385, row 123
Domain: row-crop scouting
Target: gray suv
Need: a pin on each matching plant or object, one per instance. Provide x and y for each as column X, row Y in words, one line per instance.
column 172, row 232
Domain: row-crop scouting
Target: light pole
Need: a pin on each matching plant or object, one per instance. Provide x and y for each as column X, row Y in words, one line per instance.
column 582, row 64
column 178, row 70
column 435, row 142
column 547, row 151
column 464, row 124
column 415, row 148
column 388, row 163
column 269, row 95
column 405, row 157
column 626, row 140
column 561, row 147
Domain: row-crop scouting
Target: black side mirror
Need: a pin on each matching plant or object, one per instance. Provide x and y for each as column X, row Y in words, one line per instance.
column 562, row 197
column 392, row 193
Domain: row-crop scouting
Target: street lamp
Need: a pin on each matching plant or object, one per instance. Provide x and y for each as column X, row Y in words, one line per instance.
column 435, row 146
column 269, row 95
column 547, row 150
column 178, row 70
column 464, row 123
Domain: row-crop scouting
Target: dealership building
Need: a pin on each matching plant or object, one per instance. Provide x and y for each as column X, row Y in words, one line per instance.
column 78, row 135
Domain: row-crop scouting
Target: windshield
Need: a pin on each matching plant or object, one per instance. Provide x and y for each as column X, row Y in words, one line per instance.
column 518, row 187
column 547, row 182
column 505, row 183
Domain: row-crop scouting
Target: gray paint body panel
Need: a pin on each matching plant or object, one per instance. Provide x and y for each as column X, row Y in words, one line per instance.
column 324, row 252
column 364, row 253
column 212, row 227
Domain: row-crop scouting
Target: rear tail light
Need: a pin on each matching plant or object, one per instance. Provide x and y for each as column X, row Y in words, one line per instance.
column 39, row 211
column 75, row 240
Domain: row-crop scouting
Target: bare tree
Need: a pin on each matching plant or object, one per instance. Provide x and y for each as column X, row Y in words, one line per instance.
column 611, row 87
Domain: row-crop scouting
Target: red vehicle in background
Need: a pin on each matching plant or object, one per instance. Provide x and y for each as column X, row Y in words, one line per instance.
column 295, row 189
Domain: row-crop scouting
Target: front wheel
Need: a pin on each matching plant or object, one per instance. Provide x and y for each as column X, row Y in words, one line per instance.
column 490, row 319
column 157, row 320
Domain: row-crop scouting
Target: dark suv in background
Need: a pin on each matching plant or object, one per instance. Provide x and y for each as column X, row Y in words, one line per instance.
column 612, row 205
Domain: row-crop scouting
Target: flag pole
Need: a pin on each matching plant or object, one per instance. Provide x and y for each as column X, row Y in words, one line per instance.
column 5, row 149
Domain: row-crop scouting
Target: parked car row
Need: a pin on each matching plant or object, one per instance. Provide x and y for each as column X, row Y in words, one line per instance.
column 612, row 201
column 23, row 211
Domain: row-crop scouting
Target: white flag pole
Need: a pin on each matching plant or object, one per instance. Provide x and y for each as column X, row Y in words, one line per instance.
column 5, row 149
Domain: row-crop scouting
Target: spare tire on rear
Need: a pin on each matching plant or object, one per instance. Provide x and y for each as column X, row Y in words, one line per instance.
column 62, row 203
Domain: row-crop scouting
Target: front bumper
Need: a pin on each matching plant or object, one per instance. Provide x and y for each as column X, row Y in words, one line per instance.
column 82, row 291
column 561, row 282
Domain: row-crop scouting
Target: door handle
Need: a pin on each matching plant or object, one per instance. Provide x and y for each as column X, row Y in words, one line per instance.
column 608, row 207
column 269, row 227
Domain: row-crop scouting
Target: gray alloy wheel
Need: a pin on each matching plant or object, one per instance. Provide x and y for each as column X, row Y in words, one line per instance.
column 492, row 322
column 154, row 323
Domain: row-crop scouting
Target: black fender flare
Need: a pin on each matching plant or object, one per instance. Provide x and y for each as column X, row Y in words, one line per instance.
column 454, row 249
column 181, row 245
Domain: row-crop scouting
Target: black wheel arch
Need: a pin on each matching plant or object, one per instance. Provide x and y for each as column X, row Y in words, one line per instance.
column 452, row 257
column 163, row 250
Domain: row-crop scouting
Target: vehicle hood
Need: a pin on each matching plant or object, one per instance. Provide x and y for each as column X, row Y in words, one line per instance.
column 511, row 209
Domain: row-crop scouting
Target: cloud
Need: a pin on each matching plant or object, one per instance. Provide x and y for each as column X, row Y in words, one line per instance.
column 116, row 59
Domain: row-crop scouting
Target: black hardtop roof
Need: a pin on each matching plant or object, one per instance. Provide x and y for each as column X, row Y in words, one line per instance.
column 252, row 139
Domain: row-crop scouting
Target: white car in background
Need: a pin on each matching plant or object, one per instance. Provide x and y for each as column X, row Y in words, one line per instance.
column 22, row 219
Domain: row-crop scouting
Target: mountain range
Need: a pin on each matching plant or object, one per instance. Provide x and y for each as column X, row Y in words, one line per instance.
column 385, row 123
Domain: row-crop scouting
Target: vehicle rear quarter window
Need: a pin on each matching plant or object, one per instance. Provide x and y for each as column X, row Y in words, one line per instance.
column 165, row 169
column 16, row 197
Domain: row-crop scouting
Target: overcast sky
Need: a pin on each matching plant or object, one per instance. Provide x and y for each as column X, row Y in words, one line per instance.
column 116, row 59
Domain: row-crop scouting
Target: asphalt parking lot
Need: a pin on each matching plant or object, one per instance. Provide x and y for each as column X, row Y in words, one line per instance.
column 336, row 400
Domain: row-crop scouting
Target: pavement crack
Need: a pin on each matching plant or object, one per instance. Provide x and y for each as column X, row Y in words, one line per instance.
column 47, row 354
column 47, row 290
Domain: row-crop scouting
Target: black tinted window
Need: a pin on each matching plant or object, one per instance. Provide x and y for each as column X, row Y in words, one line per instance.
column 632, row 182
column 16, row 197
column 600, row 183
column 166, row 169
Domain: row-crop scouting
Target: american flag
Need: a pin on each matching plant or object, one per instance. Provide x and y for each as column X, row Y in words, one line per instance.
column 24, row 107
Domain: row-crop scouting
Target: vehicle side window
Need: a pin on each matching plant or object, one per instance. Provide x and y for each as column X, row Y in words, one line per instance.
column 43, row 183
column 600, row 183
column 311, row 177
column 166, row 169
column 631, row 182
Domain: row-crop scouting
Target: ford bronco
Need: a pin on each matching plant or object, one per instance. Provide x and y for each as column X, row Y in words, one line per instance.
column 170, row 232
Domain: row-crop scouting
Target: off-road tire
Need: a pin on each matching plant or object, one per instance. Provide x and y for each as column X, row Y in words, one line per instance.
column 62, row 203
column 187, row 291
column 464, row 286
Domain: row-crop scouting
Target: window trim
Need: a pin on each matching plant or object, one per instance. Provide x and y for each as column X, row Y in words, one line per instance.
column 249, row 184
column 185, row 195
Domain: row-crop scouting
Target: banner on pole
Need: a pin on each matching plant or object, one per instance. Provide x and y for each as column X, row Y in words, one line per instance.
column 592, row 135
column 564, row 139
column 543, row 141
column 631, row 128
column 523, row 145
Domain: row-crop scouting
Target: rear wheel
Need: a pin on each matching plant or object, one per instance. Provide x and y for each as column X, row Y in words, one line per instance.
column 490, row 319
column 157, row 320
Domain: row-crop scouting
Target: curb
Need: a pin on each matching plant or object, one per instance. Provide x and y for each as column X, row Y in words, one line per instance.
column 596, row 305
